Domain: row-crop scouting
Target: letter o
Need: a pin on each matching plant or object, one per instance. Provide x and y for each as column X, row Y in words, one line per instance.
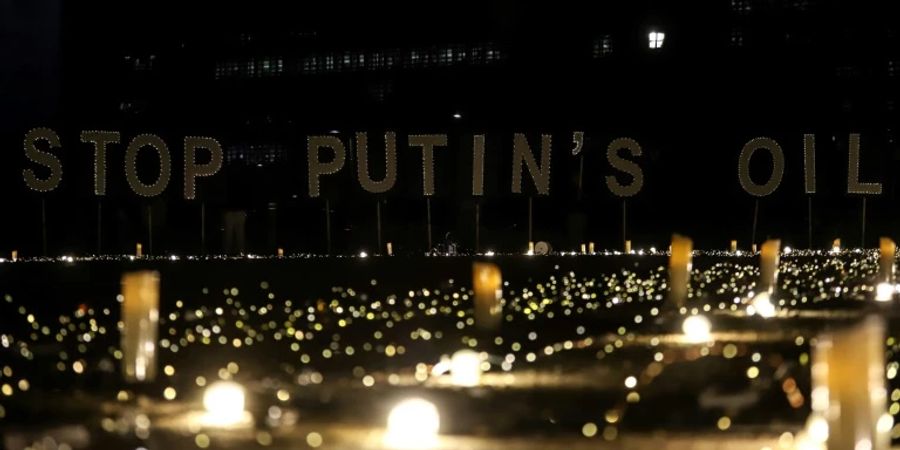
column 761, row 190
column 165, row 165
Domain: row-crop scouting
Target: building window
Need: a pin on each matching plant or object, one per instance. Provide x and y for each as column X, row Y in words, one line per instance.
column 740, row 6
column 656, row 39
column 737, row 38
column 602, row 46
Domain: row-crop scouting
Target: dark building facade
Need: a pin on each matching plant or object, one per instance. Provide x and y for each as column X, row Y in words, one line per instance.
column 692, row 82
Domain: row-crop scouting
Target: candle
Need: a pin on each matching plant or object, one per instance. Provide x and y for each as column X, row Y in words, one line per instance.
column 583, row 249
column 836, row 246
column 848, row 386
column 487, row 283
column 628, row 246
column 768, row 265
column 733, row 246
column 679, row 269
column 884, row 290
column 753, row 248
column 886, row 262
column 280, row 252
column 139, row 250
column 530, row 247
column 140, row 320
column 390, row 249
column 15, row 255
column 591, row 248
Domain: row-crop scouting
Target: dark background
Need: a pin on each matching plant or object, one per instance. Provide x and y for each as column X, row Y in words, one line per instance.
column 262, row 76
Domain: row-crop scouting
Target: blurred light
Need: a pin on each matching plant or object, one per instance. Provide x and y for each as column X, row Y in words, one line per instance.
column 656, row 39
column 224, row 403
column 363, row 254
column 885, row 423
column 412, row 424
column 884, row 292
column 630, row 382
column 788, row 249
column 489, row 253
column 762, row 303
column 697, row 329
column 817, row 428
column 465, row 368
column 457, row 116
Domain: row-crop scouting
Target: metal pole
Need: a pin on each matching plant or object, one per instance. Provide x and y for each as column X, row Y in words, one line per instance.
column 530, row 224
column 378, row 219
column 149, row 229
column 477, row 226
column 580, row 175
column 44, row 226
column 99, row 226
column 862, row 243
column 755, row 215
column 327, row 227
column 809, row 221
column 202, row 228
column 428, row 218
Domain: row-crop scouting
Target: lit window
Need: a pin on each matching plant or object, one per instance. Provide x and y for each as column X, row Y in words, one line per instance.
column 602, row 46
column 740, row 6
column 737, row 38
column 656, row 39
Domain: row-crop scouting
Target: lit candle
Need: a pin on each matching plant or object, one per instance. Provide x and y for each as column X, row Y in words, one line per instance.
column 390, row 249
column 280, row 252
column 753, row 248
column 487, row 283
column 768, row 265
column 884, row 290
column 886, row 262
column 140, row 319
column 836, row 246
column 530, row 247
column 583, row 249
column 591, row 248
column 679, row 269
column 733, row 246
column 139, row 250
column 628, row 246
column 15, row 255
column 848, row 386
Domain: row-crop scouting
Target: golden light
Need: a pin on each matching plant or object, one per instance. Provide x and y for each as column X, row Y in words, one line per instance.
column 487, row 282
column 465, row 368
column 884, row 292
column 762, row 305
column 817, row 428
column 413, row 424
column 224, row 403
column 140, row 316
column 697, row 329
column 679, row 269
column 836, row 246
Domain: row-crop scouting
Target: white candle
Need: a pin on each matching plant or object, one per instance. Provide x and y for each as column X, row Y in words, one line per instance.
column 848, row 386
